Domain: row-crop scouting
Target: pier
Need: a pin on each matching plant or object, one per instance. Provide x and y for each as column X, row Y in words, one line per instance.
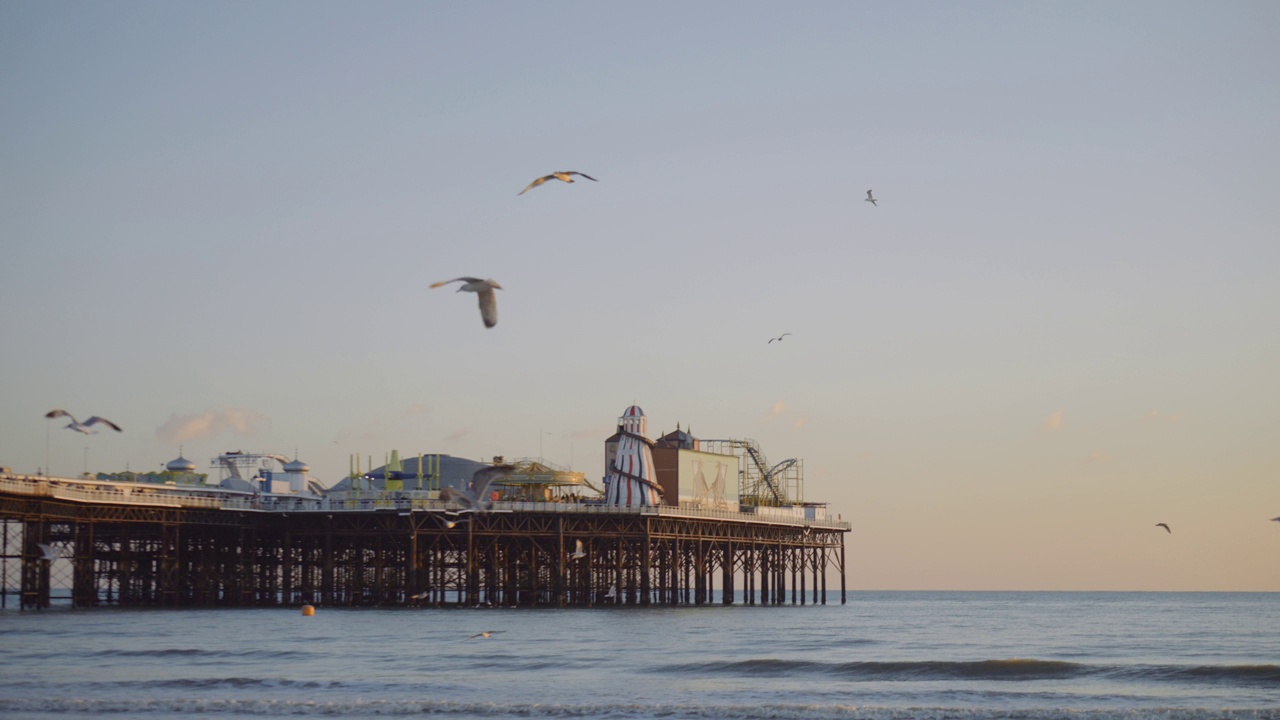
column 98, row 544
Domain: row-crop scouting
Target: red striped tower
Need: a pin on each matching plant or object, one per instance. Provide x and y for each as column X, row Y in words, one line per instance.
column 631, row 481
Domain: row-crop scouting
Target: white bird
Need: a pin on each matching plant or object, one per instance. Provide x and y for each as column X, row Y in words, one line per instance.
column 48, row 552
column 779, row 338
column 83, row 426
column 448, row 523
column 557, row 175
column 1166, row 527
column 475, row 496
column 485, row 634
column 484, row 292
column 578, row 552
column 870, row 199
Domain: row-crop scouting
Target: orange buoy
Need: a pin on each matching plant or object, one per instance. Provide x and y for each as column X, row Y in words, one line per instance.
column 308, row 610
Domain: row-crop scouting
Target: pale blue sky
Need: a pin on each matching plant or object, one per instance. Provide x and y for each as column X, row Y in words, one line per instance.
column 1060, row 326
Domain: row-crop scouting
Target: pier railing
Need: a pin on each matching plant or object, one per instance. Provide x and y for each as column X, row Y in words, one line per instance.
column 141, row 494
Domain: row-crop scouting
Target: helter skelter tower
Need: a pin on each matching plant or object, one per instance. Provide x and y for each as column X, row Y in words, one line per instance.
column 631, row 480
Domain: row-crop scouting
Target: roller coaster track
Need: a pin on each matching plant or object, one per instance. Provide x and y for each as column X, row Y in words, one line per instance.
column 766, row 473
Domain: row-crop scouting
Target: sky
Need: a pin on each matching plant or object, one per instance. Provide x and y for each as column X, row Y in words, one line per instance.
column 1059, row 326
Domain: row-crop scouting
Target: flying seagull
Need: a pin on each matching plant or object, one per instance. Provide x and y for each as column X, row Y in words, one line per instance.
column 485, row 634
column 475, row 497
column 420, row 596
column 779, row 338
column 484, row 292
column 578, row 552
column 557, row 175
column 871, row 199
column 1166, row 528
column 448, row 523
column 48, row 552
column 83, row 426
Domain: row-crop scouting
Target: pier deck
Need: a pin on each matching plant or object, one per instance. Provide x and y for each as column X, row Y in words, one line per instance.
column 169, row 549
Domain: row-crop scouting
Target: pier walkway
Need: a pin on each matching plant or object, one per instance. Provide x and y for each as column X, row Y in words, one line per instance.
column 137, row 544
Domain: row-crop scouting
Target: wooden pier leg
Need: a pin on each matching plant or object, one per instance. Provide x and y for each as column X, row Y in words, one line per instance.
column 804, row 568
column 824, row 576
column 817, row 568
column 411, row 567
column 326, row 571
column 766, row 568
column 700, row 575
column 35, row 570
column 84, row 586
column 560, row 569
column 646, row 560
column 842, row 583
column 791, row 571
column 726, row 575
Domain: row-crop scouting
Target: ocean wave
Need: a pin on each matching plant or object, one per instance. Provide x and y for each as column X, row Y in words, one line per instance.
column 1231, row 674
column 615, row 711
column 233, row 682
column 1013, row 669
column 202, row 653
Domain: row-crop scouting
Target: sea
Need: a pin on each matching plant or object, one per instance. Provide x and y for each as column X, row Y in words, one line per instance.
column 925, row 655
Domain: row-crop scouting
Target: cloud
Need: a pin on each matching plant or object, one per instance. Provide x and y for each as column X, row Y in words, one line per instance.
column 414, row 410
column 780, row 408
column 196, row 426
column 1053, row 422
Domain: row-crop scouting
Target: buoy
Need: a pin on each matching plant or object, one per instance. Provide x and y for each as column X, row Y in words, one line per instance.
column 308, row 610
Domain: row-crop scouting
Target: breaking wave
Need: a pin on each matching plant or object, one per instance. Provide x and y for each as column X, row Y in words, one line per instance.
column 1010, row 670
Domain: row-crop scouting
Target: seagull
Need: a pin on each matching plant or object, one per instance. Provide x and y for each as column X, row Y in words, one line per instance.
column 448, row 524
column 870, row 199
column 1166, row 528
column 48, row 552
column 420, row 596
column 475, row 497
column 578, row 552
column 779, row 338
column 83, row 426
column 485, row 634
column 484, row 291
column 1275, row 519
column 557, row 175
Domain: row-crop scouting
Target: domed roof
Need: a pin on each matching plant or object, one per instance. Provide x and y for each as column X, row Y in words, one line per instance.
column 180, row 464
column 297, row 466
column 633, row 411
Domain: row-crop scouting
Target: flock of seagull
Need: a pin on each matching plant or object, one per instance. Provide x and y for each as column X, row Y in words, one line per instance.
column 483, row 288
